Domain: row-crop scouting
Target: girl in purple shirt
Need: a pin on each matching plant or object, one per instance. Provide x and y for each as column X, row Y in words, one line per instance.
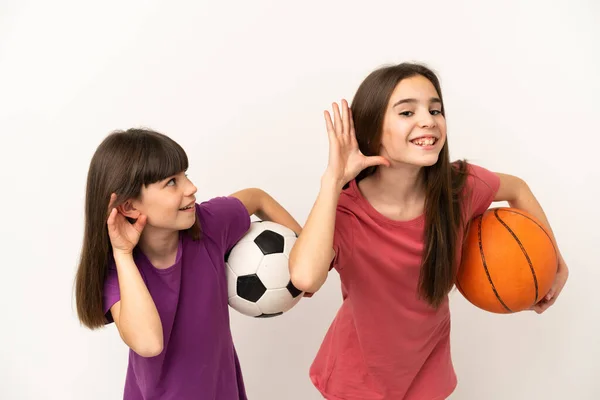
column 152, row 263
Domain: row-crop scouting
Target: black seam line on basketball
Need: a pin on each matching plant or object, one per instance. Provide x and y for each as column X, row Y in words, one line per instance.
column 487, row 272
column 540, row 226
column 535, row 282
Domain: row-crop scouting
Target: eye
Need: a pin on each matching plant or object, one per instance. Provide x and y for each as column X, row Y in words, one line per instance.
column 171, row 180
column 406, row 113
column 435, row 112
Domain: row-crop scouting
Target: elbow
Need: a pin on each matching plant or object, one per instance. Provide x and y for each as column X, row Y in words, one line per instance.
column 521, row 187
column 145, row 347
column 521, row 194
column 150, row 349
column 304, row 280
column 513, row 190
column 303, row 283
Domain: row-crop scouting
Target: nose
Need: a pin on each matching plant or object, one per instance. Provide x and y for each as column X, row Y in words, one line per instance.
column 190, row 189
column 427, row 121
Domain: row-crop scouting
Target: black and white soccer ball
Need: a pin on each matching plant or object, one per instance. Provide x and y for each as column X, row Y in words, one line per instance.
column 258, row 278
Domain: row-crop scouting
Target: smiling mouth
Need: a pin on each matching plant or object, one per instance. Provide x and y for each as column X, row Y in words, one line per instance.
column 424, row 141
column 186, row 208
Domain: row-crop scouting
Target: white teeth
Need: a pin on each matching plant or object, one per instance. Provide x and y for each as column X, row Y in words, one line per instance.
column 424, row 141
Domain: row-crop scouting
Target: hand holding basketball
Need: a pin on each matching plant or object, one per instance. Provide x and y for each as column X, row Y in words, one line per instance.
column 561, row 279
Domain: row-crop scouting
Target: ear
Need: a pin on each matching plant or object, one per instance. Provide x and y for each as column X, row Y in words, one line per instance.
column 128, row 209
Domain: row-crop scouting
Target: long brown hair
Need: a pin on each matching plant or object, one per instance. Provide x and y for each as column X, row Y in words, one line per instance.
column 444, row 181
column 123, row 163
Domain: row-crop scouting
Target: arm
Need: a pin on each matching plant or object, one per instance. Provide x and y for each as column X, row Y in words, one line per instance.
column 265, row 207
column 135, row 315
column 312, row 254
column 518, row 195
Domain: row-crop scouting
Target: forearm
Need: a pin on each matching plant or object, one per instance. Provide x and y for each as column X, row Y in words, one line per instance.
column 312, row 254
column 139, row 323
column 270, row 210
column 265, row 207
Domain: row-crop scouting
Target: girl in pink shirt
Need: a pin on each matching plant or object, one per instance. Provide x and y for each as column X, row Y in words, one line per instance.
column 389, row 218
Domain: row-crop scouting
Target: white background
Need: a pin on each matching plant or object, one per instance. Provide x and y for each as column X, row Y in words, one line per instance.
column 242, row 87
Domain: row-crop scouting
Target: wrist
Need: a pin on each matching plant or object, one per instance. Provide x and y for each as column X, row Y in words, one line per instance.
column 120, row 256
column 330, row 182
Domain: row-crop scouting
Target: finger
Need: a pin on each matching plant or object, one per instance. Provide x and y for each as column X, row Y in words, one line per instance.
column 337, row 119
column 111, row 201
column 345, row 119
column 543, row 305
column 376, row 160
column 554, row 291
column 352, row 132
column 538, row 308
column 140, row 222
column 331, row 136
column 329, row 124
column 550, row 302
column 351, row 118
column 111, row 218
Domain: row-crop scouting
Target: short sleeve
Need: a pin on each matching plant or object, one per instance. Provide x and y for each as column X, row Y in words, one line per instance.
column 482, row 188
column 225, row 219
column 343, row 237
column 111, row 293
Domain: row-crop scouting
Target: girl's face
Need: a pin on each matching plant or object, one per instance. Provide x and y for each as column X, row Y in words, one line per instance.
column 169, row 204
column 414, row 129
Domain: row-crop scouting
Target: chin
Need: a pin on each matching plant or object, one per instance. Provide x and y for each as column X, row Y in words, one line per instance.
column 184, row 224
column 188, row 226
column 424, row 161
column 430, row 163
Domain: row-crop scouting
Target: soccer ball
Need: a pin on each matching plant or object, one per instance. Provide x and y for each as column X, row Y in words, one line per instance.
column 258, row 278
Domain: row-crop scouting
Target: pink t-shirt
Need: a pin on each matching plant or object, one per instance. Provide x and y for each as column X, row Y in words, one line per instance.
column 385, row 343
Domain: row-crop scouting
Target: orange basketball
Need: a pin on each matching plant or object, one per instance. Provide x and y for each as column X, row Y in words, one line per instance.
column 508, row 262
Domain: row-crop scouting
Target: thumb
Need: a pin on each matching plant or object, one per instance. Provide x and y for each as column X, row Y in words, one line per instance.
column 376, row 160
column 140, row 223
column 550, row 294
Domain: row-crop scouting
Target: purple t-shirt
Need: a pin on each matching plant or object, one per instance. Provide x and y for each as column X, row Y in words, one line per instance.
column 199, row 360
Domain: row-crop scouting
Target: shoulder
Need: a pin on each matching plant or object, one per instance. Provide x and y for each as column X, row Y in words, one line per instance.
column 483, row 179
column 223, row 218
column 480, row 185
column 474, row 176
column 348, row 211
column 219, row 204
column 348, row 200
column 221, row 210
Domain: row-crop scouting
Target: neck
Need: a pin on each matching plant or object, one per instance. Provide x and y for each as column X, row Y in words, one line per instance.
column 159, row 246
column 399, row 184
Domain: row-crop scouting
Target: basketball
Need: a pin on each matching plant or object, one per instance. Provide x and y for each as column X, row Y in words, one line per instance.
column 508, row 261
